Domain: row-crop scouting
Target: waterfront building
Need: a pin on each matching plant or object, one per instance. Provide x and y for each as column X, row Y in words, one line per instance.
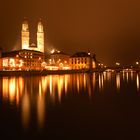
column 82, row 60
column 30, row 56
column 22, row 60
column 58, row 61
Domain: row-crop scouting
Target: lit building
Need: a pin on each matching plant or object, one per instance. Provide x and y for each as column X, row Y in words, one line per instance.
column 22, row 60
column 82, row 60
column 58, row 61
column 32, row 56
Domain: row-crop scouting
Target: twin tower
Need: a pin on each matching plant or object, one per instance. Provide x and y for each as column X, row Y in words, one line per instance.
column 25, row 37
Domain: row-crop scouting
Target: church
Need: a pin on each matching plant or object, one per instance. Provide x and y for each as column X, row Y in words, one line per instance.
column 31, row 55
column 25, row 37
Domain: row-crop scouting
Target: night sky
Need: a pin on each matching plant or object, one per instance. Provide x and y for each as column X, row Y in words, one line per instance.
column 109, row 28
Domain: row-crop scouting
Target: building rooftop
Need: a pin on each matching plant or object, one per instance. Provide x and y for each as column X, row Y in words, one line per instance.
column 14, row 53
column 59, row 53
column 81, row 54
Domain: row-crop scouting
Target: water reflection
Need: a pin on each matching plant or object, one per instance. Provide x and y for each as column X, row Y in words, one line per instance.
column 137, row 82
column 101, row 81
column 118, row 80
column 12, row 89
column 33, row 95
column 40, row 107
column 25, row 110
column 127, row 76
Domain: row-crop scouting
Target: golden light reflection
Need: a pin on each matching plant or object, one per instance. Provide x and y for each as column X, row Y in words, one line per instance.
column 54, row 85
column 118, row 81
column 12, row 86
column 89, row 83
column 25, row 110
column 101, row 82
column 51, row 84
column 78, row 84
column 5, row 87
column 123, row 75
column 12, row 89
column 60, row 86
column 105, row 75
column 44, row 83
column 108, row 76
column 84, row 80
column 41, row 107
column 132, row 75
column 94, row 80
column 66, row 83
column 137, row 82
column 127, row 76
column 32, row 94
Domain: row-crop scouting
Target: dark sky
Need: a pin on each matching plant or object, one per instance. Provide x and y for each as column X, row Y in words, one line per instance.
column 110, row 28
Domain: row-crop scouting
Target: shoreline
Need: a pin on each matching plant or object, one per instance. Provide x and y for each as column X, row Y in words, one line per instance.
column 51, row 72
column 45, row 72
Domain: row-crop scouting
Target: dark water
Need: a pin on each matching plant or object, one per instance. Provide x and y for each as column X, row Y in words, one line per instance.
column 77, row 106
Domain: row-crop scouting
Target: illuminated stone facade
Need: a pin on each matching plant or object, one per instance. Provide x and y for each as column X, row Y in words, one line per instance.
column 58, row 60
column 25, row 37
column 82, row 60
column 40, row 37
column 22, row 60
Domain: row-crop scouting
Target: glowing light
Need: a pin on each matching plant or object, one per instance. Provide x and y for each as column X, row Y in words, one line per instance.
column 44, row 84
column 101, row 81
column 12, row 90
column 117, row 64
column 51, row 67
column 66, row 83
column 127, row 75
column 5, row 87
column 51, row 85
column 43, row 64
column 52, row 51
column 25, row 46
column 66, row 68
column 78, row 84
column 25, row 110
column 12, row 62
column 60, row 86
column 40, row 107
column 5, row 62
column 137, row 81
column 118, row 81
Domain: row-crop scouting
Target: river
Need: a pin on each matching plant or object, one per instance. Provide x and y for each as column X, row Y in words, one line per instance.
column 71, row 106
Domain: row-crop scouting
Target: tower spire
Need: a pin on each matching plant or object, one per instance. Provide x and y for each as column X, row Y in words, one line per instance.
column 40, row 36
column 25, row 34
